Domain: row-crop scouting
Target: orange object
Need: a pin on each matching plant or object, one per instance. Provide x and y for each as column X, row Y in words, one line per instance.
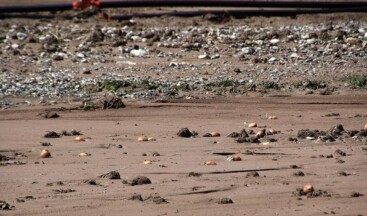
column 83, row 4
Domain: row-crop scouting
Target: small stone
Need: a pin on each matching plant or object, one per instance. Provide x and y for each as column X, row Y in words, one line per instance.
column 233, row 135
column 156, row 199
column 253, row 174
column 139, row 180
column 136, row 197
column 184, row 132
column 193, row 174
column 225, row 201
column 50, row 115
column 111, row 175
column 207, row 135
column 52, row 134
column 298, row 173
column 340, row 152
column 355, row 194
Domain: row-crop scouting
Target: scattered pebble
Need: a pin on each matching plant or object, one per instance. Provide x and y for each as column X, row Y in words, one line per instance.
column 139, row 180
column 225, row 201
column 111, row 175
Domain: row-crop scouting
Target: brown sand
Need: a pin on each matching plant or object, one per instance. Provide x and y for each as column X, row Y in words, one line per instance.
column 21, row 131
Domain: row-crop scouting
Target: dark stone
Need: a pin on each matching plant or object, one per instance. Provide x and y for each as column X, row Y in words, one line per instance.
column 136, row 197
column 52, row 134
column 340, row 152
column 298, row 173
column 254, row 140
column 157, row 199
column 139, row 180
column 307, row 133
column 207, row 135
column 112, row 103
column 194, row 174
column 355, row 194
column 5, row 206
column 95, row 36
column 336, row 130
column 233, row 135
column 111, row 175
column 225, row 201
column 184, row 132
column 253, row 174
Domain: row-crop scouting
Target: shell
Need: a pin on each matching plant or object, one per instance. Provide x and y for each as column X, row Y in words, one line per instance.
column 79, row 139
column 83, row 154
column 308, row 188
column 252, row 125
column 142, row 138
column 152, row 139
column 272, row 117
column 365, row 126
column 215, row 134
column 147, row 162
column 260, row 134
column 45, row 153
column 210, row 162
column 272, row 131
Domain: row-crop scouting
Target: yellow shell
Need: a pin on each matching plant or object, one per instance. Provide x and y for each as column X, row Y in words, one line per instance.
column 307, row 188
column 252, row 125
column 79, row 139
column 210, row 162
column 147, row 162
column 152, row 139
column 272, row 117
column 260, row 134
column 273, row 131
column 83, row 154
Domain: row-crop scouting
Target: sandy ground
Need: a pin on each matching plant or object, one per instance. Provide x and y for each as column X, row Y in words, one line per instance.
column 21, row 131
column 30, row 183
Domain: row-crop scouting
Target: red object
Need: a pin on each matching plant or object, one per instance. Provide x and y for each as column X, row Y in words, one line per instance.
column 83, row 4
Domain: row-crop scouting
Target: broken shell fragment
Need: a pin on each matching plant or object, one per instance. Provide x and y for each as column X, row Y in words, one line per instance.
column 308, row 188
column 272, row 131
column 83, row 154
column 252, row 125
column 234, row 158
column 260, row 134
column 215, row 134
column 272, row 117
column 210, row 162
column 79, row 139
column 142, row 138
column 45, row 153
column 152, row 139
column 147, row 162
